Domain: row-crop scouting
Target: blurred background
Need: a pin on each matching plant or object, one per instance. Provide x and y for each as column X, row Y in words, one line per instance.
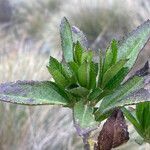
column 29, row 34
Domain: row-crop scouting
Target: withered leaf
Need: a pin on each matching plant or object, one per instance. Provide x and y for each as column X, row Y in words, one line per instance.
column 143, row 71
column 114, row 132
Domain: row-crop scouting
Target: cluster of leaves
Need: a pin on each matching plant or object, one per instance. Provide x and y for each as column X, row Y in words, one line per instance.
column 140, row 119
column 91, row 89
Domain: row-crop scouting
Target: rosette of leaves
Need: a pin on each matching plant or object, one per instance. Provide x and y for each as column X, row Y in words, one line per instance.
column 93, row 90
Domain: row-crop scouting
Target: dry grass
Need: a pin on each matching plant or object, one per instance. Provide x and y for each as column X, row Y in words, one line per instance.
column 101, row 21
column 37, row 128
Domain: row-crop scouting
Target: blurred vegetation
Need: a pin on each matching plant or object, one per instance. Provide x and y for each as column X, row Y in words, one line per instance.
column 29, row 32
column 102, row 23
column 5, row 11
column 33, row 16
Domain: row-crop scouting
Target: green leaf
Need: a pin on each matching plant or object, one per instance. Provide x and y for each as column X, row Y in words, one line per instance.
column 78, row 35
column 87, row 56
column 83, row 74
column 66, row 40
column 132, row 119
column 61, row 73
column 74, row 68
column 100, row 68
column 54, row 64
column 117, row 79
column 92, row 75
column 67, row 73
column 83, row 115
column 95, row 93
column 131, row 45
column 141, row 119
column 143, row 115
column 79, row 91
column 114, row 47
column 139, row 96
column 112, row 71
column 60, row 79
column 119, row 97
column 78, row 53
column 111, row 55
column 32, row 93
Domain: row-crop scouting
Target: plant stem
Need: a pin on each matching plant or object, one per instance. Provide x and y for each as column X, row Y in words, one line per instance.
column 85, row 142
column 83, row 135
column 84, row 138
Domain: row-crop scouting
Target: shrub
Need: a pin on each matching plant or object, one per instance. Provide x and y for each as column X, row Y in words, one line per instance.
column 94, row 91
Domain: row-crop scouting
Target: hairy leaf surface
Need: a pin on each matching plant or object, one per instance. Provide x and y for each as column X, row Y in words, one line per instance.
column 66, row 40
column 111, row 55
column 78, row 35
column 32, row 93
column 119, row 97
column 112, row 71
column 132, row 44
column 78, row 50
column 83, row 115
